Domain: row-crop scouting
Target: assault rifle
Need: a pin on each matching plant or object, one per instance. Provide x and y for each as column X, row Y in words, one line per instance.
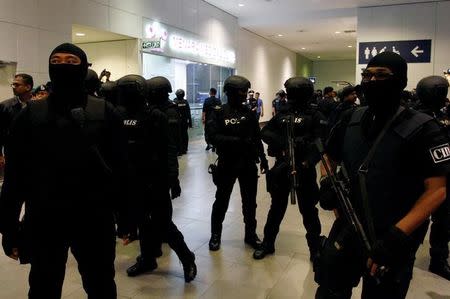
column 343, row 194
column 342, row 191
column 289, row 126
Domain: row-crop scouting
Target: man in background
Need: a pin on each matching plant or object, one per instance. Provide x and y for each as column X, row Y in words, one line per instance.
column 208, row 107
column 22, row 87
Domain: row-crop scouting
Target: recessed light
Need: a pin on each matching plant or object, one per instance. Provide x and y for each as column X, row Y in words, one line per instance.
column 240, row 4
column 337, row 32
column 303, row 48
column 80, row 34
column 350, row 46
column 280, row 35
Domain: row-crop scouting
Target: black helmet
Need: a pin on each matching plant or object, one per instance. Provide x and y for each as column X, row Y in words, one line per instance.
column 299, row 89
column 159, row 84
column 108, row 91
column 281, row 93
column 158, row 90
column 234, row 83
column 432, row 91
column 131, row 91
column 180, row 93
column 92, row 82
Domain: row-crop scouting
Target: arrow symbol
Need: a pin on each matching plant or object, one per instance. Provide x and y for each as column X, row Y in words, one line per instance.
column 416, row 51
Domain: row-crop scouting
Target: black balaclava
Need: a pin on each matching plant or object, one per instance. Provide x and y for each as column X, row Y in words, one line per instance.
column 383, row 96
column 299, row 91
column 432, row 92
column 158, row 90
column 67, row 80
column 236, row 88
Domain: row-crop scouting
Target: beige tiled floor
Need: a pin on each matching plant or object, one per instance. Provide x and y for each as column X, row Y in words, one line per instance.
column 230, row 272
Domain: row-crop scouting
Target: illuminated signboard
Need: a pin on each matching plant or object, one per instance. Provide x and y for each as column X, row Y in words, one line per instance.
column 154, row 45
column 193, row 47
column 157, row 38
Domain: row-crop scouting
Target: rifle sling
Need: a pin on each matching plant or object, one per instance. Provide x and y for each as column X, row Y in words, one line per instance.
column 362, row 173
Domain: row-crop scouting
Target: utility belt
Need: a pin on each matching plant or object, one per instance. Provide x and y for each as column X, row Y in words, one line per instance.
column 223, row 166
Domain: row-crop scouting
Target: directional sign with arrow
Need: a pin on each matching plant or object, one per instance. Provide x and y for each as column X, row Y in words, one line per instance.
column 413, row 51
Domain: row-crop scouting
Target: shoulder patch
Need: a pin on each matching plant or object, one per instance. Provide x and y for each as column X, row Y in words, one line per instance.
column 440, row 153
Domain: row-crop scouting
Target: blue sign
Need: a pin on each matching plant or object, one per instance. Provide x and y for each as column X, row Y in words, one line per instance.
column 413, row 51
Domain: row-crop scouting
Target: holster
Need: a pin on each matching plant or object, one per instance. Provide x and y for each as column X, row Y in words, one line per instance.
column 277, row 176
column 212, row 169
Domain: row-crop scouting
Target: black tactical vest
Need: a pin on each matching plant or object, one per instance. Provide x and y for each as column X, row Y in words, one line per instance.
column 69, row 160
column 237, row 123
column 304, row 132
column 394, row 182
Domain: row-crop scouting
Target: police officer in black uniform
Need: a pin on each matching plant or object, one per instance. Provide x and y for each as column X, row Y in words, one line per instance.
column 185, row 119
column 279, row 102
column 92, row 83
column 308, row 125
column 208, row 107
column 396, row 166
column 164, row 126
column 432, row 92
column 131, row 93
column 65, row 161
column 234, row 131
column 252, row 102
column 108, row 92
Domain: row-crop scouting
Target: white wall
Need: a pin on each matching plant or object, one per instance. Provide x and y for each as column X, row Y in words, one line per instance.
column 327, row 71
column 118, row 57
column 266, row 65
column 7, row 72
column 30, row 29
column 409, row 22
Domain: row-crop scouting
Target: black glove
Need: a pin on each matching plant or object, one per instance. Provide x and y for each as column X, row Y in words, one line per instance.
column 392, row 249
column 125, row 227
column 327, row 196
column 264, row 165
column 10, row 241
column 175, row 189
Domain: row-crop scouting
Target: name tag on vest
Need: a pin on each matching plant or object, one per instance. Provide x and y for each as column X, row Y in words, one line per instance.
column 440, row 153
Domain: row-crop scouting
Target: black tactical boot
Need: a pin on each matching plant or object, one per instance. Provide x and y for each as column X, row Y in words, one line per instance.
column 440, row 267
column 214, row 242
column 189, row 268
column 142, row 266
column 263, row 250
column 252, row 240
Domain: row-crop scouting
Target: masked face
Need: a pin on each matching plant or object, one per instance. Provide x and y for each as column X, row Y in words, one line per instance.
column 66, row 73
column 381, row 90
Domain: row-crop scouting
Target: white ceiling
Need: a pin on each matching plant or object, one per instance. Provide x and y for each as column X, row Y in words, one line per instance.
column 309, row 24
column 94, row 35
